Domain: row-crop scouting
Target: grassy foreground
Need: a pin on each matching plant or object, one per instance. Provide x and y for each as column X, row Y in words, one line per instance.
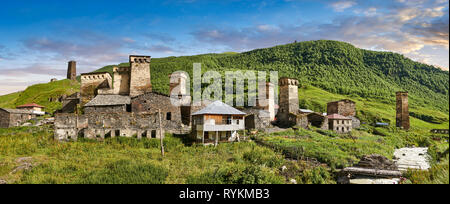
column 128, row 160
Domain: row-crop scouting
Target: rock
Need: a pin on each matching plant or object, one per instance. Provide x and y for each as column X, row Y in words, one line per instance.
column 24, row 164
column 27, row 125
column 3, row 182
column 293, row 181
column 376, row 161
column 284, row 168
column 412, row 158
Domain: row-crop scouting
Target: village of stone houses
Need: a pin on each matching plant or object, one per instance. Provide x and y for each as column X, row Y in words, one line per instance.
column 114, row 122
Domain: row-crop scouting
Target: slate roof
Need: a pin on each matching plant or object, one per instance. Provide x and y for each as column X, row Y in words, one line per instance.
column 109, row 100
column 339, row 117
column 17, row 111
column 219, row 108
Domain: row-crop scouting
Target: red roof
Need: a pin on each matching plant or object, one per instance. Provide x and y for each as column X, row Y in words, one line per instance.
column 31, row 105
column 339, row 117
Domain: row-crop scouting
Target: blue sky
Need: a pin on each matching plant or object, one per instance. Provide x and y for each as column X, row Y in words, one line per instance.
column 38, row 38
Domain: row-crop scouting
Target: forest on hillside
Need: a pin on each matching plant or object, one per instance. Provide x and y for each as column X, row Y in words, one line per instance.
column 336, row 67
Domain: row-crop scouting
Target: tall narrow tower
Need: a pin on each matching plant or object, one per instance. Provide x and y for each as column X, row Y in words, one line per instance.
column 140, row 81
column 402, row 111
column 72, row 70
column 267, row 102
column 289, row 95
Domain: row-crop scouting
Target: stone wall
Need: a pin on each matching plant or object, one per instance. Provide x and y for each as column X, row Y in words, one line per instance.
column 402, row 116
column 103, row 125
column 122, row 80
column 4, row 119
column 257, row 119
column 140, row 81
column 344, row 107
column 92, row 84
column 318, row 120
column 105, row 109
column 152, row 102
column 340, row 126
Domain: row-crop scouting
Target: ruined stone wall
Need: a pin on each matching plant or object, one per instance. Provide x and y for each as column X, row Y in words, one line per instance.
column 103, row 125
column 152, row 102
column 140, row 81
column 122, row 80
column 343, row 107
column 318, row 120
column 92, row 83
column 302, row 121
column 257, row 119
column 105, row 109
column 4, row 119
column 72, row 70
column 402, row 116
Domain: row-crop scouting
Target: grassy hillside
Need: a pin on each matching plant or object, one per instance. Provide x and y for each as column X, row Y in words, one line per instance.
column 333, row 66
column 40, row 94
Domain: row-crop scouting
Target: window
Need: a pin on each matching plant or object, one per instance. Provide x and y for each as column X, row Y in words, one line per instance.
column 169, row 116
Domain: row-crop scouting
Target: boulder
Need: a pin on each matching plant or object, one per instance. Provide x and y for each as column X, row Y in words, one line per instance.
column 376, row 161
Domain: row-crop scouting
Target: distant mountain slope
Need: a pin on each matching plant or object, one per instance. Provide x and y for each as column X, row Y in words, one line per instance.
column 336, row 67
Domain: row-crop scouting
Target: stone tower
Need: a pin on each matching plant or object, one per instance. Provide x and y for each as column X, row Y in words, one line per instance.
column 178, row 79
column 72, row 70
column 140, row 81
column 402, row 110
column 289, row 95
column 267, row 103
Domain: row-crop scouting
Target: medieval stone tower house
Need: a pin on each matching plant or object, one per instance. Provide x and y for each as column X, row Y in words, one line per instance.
column 72, row 70
column 402, row 117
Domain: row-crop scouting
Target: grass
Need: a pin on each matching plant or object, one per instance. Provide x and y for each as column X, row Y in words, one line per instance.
column 344, row 150
column 128, row 160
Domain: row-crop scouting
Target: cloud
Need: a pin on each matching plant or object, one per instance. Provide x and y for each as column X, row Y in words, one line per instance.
column 340, row 6
column 396, row 27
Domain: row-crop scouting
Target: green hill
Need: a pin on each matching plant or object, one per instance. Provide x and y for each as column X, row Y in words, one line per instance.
column 41, row 94
column 327, row 70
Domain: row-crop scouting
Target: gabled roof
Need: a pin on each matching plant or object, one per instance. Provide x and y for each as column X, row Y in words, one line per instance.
column 339, row 117
column 109, row 100
column 30, row 105
column 17, row 111
column 219, row 108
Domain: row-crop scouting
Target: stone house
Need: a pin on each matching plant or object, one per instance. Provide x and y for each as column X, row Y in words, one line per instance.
column 38, row 109
column 14, row 117
column 257, row 119
column 345, row 108
column 217, row 122
column 339, row 123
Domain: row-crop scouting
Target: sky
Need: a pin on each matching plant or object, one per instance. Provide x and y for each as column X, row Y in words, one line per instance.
column 38, row 38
